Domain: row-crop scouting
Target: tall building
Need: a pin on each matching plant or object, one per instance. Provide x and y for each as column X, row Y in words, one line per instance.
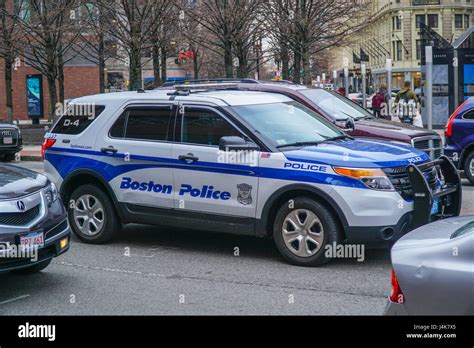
column 393, row 32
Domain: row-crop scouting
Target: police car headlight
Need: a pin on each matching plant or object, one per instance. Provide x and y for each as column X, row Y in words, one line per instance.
column 51, row 193
column 374, row 179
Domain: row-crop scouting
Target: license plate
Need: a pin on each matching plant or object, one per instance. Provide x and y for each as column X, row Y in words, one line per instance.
column 435, row 209
column 32, row 240
column 8, row 140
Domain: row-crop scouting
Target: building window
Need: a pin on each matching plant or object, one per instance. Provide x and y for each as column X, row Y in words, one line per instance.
column 418, row 49
column 420, row 19
column 458, row 19
column 397, row 50
column 396, row 23
column 466, row 21
column 433, row 20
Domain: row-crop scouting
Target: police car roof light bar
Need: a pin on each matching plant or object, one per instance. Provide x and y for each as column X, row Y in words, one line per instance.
column 208, row 81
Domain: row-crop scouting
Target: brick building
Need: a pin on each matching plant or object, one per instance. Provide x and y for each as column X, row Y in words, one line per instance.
column 80, row 80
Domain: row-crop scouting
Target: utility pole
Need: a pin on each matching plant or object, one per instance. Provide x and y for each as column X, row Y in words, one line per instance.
column 389, row 85
column 364, row 85
column 429, row 85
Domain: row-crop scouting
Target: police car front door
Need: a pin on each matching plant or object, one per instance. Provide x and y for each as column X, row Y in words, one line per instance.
column 207, row 180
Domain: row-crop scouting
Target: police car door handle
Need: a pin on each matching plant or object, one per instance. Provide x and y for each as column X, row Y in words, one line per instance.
column 188, row 158
column 111, row 150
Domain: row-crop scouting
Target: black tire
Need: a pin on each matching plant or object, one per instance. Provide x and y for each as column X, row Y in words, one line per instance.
column 36, row 268
column 467, row 165
column 111, row 224
column 328, row 221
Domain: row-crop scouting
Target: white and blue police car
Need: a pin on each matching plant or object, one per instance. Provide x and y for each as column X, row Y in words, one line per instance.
column 214, row 158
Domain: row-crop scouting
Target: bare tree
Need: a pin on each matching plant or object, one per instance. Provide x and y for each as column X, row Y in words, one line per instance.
column 311, row 27
column 134, row 24
column 48, row 32
column 9, row 49
column 227, row 25
column 92, row 44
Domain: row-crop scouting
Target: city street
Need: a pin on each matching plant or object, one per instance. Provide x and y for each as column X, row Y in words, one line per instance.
column 156, row 271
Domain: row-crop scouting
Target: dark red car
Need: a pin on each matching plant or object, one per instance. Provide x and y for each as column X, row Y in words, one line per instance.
column 338, row 110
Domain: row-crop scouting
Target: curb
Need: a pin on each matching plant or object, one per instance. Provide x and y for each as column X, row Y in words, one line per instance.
column 31, row 158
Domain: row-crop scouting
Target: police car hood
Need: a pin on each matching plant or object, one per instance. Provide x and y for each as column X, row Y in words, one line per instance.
column 359, row 154
column 17, row 182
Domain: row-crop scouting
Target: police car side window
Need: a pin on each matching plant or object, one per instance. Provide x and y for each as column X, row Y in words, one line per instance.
column 204, row 127
column 147, row 123
column 118, row 129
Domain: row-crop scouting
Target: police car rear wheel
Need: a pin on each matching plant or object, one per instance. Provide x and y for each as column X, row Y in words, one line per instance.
column 302, row 229
column 92, row 216
column 469, row 168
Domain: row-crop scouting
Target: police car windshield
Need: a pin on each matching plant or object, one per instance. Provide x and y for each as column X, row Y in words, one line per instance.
column 288, row 123
column 335, row 104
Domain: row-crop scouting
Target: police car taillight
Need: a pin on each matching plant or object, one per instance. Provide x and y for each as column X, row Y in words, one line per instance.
column 397, row 294
column 47, row 143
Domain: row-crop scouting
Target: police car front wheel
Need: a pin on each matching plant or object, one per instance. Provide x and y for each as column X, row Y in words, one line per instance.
column 92, row 215
column 302, row 230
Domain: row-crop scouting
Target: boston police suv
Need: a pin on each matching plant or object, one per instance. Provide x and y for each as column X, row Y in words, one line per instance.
column 211, row 157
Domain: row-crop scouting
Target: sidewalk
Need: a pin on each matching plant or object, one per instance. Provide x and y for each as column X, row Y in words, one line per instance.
column 31, row 153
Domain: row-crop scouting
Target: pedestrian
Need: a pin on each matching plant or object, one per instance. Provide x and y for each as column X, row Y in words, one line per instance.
column 407, row 103
column 380, row 100
column 406, row 94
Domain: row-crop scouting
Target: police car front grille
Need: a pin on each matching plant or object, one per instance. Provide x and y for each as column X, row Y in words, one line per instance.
column 19, row 219
column 432, row 146
column 401, row 182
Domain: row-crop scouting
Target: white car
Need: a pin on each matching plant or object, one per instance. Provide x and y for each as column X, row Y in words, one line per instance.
column 230, row 161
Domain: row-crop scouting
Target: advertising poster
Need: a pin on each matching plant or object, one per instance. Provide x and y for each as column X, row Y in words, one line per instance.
column 34, row 95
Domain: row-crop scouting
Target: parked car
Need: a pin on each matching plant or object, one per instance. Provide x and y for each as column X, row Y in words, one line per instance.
column 337, row 109
column 11, row 142
column 170, row 158
column 358, row 98
column 459, row 134
column 433, row 271
column 33, row 222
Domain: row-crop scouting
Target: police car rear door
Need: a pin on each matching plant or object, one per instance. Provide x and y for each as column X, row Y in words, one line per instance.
column 206, row 179
column 139, row 148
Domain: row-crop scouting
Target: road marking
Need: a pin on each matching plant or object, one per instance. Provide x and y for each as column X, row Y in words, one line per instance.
column 216, row 280
column 14, row 299
column 112, row 270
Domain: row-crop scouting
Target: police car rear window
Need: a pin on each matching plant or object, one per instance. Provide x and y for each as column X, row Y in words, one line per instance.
column 77, row 118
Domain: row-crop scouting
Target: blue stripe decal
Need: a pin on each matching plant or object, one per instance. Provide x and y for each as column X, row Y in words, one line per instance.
column 67, row 164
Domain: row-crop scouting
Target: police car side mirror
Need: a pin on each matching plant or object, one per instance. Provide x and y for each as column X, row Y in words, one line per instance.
column 237, row 144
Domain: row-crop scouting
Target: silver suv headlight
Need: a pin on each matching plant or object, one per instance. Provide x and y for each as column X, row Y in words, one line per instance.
column 51, row 193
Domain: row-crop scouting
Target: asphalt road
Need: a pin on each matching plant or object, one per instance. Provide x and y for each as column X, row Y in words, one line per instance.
column 155, row 271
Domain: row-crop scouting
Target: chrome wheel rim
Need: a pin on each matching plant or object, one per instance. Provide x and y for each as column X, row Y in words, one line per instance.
column 89, row 215
column 471, row 167
column 303, row 233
